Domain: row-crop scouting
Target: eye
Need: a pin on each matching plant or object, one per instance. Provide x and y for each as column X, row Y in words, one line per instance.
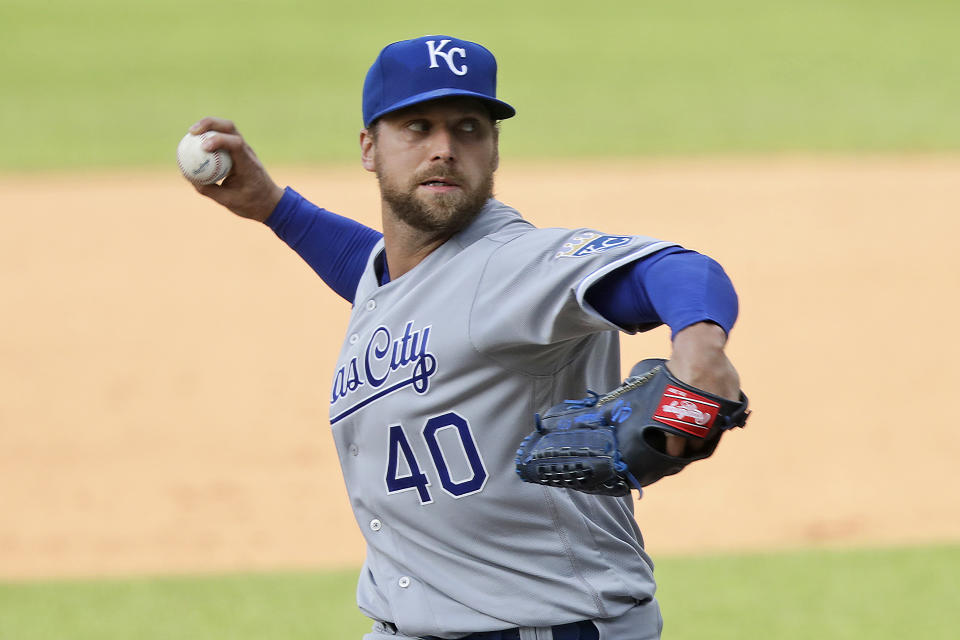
column 419, row 126
column 469, row 126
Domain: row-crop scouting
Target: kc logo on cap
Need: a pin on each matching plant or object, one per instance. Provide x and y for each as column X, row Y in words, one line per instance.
column 448, row 56
column 428, row 68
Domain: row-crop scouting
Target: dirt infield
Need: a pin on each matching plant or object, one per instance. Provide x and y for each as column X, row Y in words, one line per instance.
column 164, row 366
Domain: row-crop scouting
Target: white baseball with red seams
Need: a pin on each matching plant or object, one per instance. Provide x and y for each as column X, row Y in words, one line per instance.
column 200, row 166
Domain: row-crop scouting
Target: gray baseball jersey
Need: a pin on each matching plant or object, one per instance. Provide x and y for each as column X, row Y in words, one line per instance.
column 436, row 385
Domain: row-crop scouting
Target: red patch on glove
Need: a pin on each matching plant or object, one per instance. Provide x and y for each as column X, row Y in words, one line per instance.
column 686, row 411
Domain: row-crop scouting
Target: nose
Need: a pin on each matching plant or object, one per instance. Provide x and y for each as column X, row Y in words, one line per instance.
column 442, row 145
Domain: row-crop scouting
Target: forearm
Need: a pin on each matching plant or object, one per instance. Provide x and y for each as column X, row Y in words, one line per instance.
column 335, row 247
column 692, row 295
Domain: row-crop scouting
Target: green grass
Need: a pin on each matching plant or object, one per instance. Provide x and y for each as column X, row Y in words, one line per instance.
column 112, row 83
column 237, row 607
column 836, row 595
column 829, row 595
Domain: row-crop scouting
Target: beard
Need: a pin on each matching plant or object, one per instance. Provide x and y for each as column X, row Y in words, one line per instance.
column 438, row 214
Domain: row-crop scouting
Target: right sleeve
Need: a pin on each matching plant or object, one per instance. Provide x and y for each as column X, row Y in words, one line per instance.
column 336, row 248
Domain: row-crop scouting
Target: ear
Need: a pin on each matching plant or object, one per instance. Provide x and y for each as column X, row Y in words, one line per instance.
column 367, row 145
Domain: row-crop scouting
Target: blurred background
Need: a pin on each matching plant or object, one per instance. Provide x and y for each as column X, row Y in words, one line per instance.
column 166, row 468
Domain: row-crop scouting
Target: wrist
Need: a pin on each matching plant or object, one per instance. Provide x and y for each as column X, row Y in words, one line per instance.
column 699, row 359
column 700, row 336
column 271, row 201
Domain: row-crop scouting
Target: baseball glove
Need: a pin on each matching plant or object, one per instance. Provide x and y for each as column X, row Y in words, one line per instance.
column 612, row 443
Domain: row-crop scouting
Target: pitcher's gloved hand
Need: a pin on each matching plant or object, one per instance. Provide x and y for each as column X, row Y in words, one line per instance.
column 611, row 443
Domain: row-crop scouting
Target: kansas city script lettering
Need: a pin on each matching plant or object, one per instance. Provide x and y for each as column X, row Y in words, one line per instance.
column 383, row 356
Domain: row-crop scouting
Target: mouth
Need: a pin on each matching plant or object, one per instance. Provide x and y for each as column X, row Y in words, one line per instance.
column 439, row 184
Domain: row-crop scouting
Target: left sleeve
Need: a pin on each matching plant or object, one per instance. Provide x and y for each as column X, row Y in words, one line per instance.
column 676, row 287
column 530, row 296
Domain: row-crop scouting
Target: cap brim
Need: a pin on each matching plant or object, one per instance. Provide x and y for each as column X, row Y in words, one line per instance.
column 499, row 109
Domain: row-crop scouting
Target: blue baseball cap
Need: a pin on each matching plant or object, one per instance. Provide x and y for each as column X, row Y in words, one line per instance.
column 414, row 71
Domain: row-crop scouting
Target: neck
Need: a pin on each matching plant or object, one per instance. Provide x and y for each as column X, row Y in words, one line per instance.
column 406, row 246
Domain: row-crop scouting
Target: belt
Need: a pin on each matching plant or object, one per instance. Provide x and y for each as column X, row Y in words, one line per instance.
column 584, row 630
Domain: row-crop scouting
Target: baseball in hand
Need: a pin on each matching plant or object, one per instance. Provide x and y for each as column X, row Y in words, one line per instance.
column 200, row 166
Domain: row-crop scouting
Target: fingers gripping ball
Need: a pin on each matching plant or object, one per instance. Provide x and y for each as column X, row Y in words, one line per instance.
column 200, row 166
column 612, row 443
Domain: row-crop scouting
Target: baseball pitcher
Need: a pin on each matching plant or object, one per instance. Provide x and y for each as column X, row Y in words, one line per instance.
column 488, row 444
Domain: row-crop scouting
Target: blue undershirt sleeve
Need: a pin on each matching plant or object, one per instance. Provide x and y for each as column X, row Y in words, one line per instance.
column 336, row 248
column 675, row 286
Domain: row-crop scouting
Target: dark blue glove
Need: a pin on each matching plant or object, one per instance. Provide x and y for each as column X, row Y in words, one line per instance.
column 613, row 443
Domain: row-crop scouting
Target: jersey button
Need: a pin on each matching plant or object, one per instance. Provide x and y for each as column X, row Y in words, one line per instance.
column 354, row 338
column 354, row 450
column 376, row 525
column 371, row 305
column 404, row 582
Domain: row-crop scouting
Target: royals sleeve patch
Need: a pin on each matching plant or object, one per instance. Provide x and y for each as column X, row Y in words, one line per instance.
column 686, row 411
column 590, row 243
